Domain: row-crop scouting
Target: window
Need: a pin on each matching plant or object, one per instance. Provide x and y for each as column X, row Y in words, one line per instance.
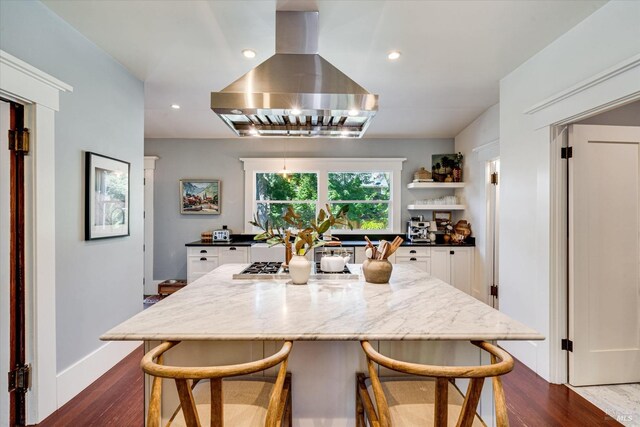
column 274, row 192
column 371, row 188
column 368, row 195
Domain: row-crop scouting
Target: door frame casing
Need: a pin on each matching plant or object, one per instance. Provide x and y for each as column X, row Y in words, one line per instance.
column 609, row 89
column 150, row 285
column 39, row 93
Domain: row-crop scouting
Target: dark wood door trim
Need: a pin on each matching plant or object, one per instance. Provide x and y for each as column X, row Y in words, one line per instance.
column 17, row 398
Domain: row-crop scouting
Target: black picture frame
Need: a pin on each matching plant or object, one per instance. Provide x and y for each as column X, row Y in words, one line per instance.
column 107, row 196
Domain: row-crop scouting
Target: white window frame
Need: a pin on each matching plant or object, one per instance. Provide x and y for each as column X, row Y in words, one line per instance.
column 322, row 166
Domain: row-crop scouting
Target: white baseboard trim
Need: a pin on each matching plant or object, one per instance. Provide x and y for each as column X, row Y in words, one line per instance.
column 81, row 374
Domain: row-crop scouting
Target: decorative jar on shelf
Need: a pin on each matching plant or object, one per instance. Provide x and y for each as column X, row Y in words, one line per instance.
column 299, row 269
column 457, row 174
column 377, row 270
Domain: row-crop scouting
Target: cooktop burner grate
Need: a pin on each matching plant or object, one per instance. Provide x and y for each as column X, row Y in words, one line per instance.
column 262, row 268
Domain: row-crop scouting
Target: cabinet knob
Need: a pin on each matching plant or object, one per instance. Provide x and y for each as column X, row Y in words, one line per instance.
column 232, row 248
column 203, row 259
column 204, row 251
column 413, row 259
column 412, row 251
column 452, row 252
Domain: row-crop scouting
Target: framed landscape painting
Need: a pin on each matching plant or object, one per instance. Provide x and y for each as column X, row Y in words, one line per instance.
column 106, row 197
column 200, row 196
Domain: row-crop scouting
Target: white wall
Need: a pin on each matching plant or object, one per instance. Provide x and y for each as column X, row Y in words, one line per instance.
column 97, row 284
column 479, row 142
column 606, row 38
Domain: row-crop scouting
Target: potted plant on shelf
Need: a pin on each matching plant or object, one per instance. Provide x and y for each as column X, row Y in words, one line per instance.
column 307, row 236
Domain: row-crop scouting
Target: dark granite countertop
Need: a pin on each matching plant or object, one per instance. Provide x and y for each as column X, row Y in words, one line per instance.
column 347, row 240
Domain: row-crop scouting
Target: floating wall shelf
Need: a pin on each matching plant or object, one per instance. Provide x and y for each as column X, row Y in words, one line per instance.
column 435, row 185
column 436, row 207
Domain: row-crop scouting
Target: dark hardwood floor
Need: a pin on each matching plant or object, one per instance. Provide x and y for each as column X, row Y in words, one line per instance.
column 531, row 401
column 116, row 399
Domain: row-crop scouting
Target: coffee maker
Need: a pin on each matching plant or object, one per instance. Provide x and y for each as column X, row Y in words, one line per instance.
column 418, row 230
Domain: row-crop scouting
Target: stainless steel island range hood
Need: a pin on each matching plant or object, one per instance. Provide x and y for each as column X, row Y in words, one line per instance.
column 296, row 92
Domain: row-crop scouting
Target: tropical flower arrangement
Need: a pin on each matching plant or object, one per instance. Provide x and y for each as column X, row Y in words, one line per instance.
column 306, row 236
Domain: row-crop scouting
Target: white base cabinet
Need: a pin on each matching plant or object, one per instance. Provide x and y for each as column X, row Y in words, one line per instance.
column 417, row 256
column 453, row 265
column 203, row 259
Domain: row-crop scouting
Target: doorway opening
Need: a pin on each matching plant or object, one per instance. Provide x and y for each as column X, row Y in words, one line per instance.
column 603, row 260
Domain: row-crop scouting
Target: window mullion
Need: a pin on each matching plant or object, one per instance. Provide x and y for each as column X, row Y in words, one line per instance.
column 323, row 190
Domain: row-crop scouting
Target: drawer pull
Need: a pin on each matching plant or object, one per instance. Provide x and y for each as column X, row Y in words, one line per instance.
column 204, row 251
column 232, row 248
column 203, row 259
column 452, row 252
column 413, row 259
column 412, row 251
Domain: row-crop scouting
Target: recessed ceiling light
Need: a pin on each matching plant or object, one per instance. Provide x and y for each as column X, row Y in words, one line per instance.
column 237, row 112
column 393, row 55
column 353, row 112
column 175, row 106
column 249, row 53
column 295, row 112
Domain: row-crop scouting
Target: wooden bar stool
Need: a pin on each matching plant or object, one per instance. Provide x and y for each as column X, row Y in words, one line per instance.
column 411, row 401
column 206, row 400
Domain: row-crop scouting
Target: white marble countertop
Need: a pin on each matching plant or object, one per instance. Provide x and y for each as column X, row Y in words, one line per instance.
column 414, row 306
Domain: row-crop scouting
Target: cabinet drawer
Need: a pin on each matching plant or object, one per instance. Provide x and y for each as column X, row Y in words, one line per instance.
column 233, row 250
column 414, row 251
column 201, row 265
column 422, row 262
column 234, row 254
column 201, row 251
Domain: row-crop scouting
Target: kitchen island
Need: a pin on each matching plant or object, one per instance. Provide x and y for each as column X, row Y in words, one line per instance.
column 416, row 317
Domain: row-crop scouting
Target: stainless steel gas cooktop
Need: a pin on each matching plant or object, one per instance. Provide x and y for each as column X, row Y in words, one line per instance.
column 275, row 270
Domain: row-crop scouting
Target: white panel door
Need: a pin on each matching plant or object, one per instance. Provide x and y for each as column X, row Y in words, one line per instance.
column 441, row 263
column 604, row 254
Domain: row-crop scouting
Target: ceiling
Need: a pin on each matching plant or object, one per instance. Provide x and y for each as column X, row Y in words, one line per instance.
column 453, row 53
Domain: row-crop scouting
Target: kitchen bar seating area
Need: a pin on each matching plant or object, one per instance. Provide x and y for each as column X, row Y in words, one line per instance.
column 225, row 321
column 319, row 213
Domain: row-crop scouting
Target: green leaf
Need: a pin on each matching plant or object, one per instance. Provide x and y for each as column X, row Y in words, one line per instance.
column 324, row 227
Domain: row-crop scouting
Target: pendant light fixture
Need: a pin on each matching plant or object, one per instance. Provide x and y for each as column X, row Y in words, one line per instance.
column 284, row 172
